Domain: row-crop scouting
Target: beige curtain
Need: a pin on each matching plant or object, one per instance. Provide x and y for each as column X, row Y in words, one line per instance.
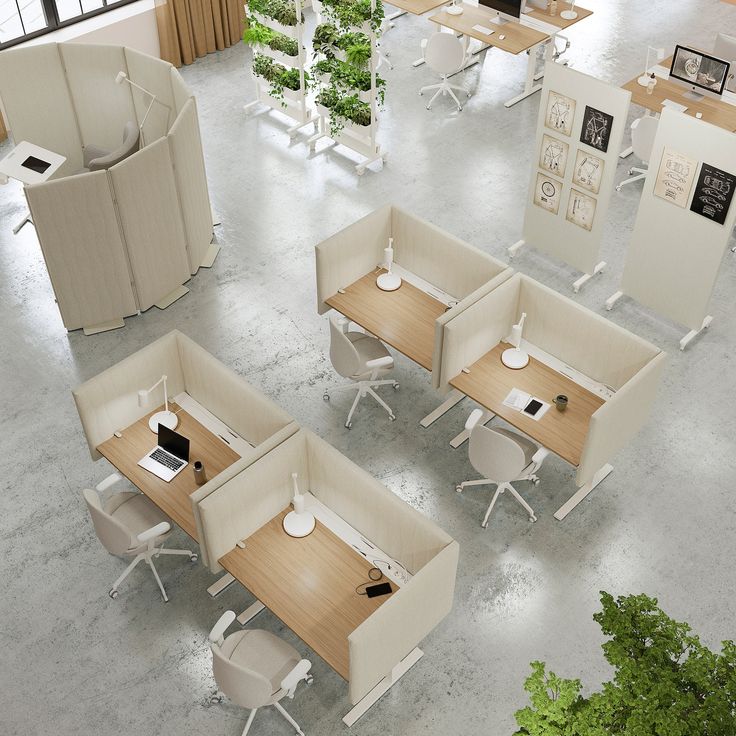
column 188, row 29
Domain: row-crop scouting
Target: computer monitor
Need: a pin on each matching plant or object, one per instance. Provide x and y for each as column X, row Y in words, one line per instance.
column 702, row 74
column 505, row 9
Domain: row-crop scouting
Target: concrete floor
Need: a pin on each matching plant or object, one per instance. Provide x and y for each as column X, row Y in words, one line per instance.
column 76, row 662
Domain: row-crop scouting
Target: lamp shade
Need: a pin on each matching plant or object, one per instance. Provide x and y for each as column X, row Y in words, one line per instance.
column 143, row 397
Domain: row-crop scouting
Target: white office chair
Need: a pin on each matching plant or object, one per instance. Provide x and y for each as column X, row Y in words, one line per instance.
column 725, row 48
column 129, row 524
column 254, row 669
column 643, row 131
column 503, row 457
column 361, row 358
column 445, row 54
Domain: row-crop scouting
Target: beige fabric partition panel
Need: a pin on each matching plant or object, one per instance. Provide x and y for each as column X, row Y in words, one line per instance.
column 89, row 271
column 402, row 622
column 37, row 73
column 150, row 216
column 102, row 106
column 156, row 78
column 179, row 90
column 109, row 401
column 619, row 419
column 191, row 183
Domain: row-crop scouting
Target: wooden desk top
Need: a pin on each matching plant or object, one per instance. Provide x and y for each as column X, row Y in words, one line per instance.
column 405, row 318
column 714, row 111
column 518, row 37
column 309, row 584
column 173, row 497
column 562, row 432
column 417, row 7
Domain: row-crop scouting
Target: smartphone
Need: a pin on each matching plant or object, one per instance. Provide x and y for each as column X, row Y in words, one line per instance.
column 381, row 589
column 532, row 407
column 35, row 164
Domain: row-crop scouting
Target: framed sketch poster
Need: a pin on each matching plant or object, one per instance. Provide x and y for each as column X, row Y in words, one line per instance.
column 713, row 193
column 547, row 193
column 553, row 156
column 581, row 209
column 596, row 130
column 588, row 171
column 560, row 113
column 675, row 177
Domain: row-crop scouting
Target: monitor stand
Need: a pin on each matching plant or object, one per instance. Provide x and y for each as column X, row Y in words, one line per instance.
column 499, row 21
column 693, row 96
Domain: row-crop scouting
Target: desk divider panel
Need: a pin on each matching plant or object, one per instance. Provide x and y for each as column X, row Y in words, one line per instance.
column 150, row 215
column 38, row 72
column 179, row 90
column 103, row 107
column 191, row 183
column 89, row 271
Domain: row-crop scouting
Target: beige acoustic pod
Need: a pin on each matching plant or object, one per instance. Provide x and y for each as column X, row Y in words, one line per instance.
column 120, row 240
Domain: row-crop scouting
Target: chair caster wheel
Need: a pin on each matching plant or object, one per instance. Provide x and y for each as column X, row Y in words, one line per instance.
column 309, row 679
column 460, row 109
column 326, row 397
column 421, row 94
column 485, row 526
column 392, row 417
column 113, row 594
column 215, row 699
column 396, row 387
column 428, row 107
column 348, row 425
column 618, row 188
column 631, row 172
column 193, row 558
column 458, row 489
column 532, row 519
column 360, row 171
column 536, row 481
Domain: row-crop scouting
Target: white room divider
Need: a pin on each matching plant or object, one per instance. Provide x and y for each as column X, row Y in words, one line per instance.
column 684, row 222
column 581, row 125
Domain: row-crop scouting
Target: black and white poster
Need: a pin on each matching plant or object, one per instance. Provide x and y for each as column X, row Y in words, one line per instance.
column 713, row 193
column 596, row 131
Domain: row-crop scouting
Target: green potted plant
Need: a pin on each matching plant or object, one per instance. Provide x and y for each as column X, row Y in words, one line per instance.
column 325, row 39
column 283, row 83
column 354, row 14
column 666, row 682
column 277, row 14
column 274, row 44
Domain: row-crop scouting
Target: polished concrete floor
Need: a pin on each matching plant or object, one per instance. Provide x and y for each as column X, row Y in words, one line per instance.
column 76, row 662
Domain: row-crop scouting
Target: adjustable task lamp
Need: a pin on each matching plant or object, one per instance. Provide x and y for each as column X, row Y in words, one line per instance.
column 569, row 14
column 515, row 357
column 123, row 77
column 389, row 281
column 298, row 523
column 165, row 417
column 645, row 78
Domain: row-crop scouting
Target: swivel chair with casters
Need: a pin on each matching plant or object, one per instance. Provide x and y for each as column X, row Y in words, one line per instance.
column 254, row 669
column 503, row 457
column 643, row 131
column 128, row 524
column 99, row 159
column 361, row 358
column 445, row 54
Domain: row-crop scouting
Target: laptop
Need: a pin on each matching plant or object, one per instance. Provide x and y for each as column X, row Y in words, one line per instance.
column 169, row 457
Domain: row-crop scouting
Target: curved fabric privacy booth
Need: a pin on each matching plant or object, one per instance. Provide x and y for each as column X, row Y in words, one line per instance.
column 117, row 241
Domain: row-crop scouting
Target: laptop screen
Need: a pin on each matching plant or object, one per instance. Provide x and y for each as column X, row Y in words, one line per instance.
column 173, row 442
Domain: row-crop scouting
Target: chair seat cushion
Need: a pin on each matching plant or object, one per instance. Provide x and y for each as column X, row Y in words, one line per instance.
column 136, row 512
column 262, row 652
column 368, row 348
column 527, row 446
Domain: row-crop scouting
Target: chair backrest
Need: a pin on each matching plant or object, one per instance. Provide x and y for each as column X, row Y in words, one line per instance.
column 243, row 686
column 344, row 356
column 445, row 53
column 115, row 537
column 642, row 136
column 131, row 140
column 725, row 48
column 494, row 455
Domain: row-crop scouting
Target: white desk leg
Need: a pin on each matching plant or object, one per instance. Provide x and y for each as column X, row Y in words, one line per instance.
column 613, row 299
column 549, row 55
column 395, row 15
column 455, row 442
column 453, row 398
column 694, row 333
column 26, row 219
column 514, row 249
column 587, row 276
column 250, row 613
column 529, row 87
column 626, row 152
column 219, row 585
column 374, row 695
column 581, row 493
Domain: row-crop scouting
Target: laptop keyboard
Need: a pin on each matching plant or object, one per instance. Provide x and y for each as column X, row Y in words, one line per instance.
column 165, row 459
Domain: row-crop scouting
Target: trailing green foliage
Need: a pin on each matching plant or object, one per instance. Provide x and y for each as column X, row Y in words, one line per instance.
column 345, row 77
column 344, row 108
column 277, row 75
column 260, row 35
column 347, row 13
column 325, row 39
column 666, row 682
column 357, row 48
column 282, row 11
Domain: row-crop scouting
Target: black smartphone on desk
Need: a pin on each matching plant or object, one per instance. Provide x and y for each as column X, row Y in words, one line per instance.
column 381, row 589
column 532, row 407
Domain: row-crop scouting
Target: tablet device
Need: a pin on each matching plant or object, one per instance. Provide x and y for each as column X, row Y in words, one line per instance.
column 35, row 164
column 532, row 407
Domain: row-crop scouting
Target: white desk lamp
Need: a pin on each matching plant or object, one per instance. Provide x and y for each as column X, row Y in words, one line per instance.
column 454, row 9
column 569, row 14
column 165, row 417
column 123, row 77
column 389, row 281
column 645, row 78
column 298, row 523
column 515, row 357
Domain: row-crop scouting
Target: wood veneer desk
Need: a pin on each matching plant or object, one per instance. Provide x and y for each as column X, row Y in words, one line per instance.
column 518, row 37
column 415, row 7
column 173, row 497
column 714, row 111
column 309, row 584
column 489, row 382
column 405, row 318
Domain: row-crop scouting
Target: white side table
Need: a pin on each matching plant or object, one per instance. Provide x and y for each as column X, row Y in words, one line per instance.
column 30, row 164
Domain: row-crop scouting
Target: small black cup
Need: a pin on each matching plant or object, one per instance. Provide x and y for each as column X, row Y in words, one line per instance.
column 561, row 402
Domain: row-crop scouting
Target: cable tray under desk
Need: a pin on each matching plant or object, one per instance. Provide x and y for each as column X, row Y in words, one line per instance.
column 539, row 25
column 433, row 291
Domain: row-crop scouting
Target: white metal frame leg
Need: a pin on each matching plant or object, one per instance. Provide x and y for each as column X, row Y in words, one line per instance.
column 588, row 276
column 249, row 721
column 458, row 440
column 694, row 333
column 158, row 579
column 250, row 613
column 529, row 87
column 499, row 490
column 26, row 219
column 281, row 710
column 363, row 705
column 453, row 397
column 613, row 299
column 219, row 585
column 512, row 250
column 582, row 492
